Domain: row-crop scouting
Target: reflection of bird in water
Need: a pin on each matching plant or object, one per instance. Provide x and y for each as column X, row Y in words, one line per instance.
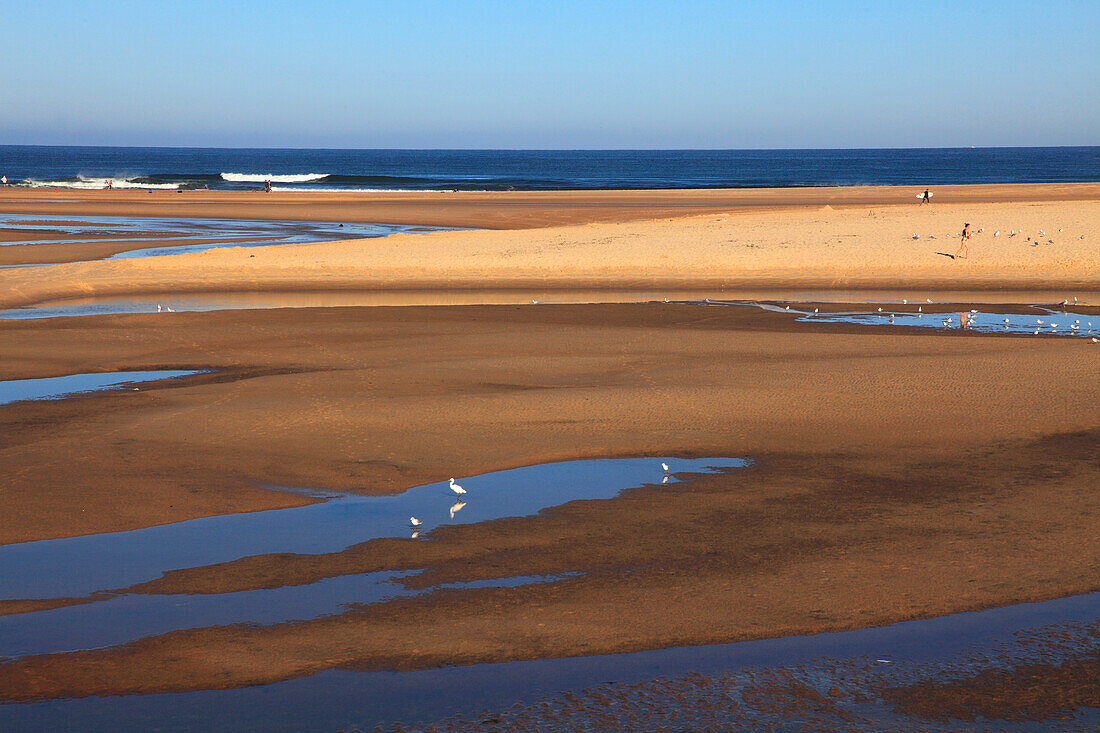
column 415, row 534
column 457, row 506
column 415, row 522
column 459, row 491
column 664, row 479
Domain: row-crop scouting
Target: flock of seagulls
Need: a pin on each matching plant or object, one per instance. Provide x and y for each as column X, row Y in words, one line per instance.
column 1012, row 233
column 164, row 308
column 458, row 491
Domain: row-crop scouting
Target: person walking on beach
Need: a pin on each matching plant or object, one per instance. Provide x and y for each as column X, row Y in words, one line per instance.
column 926, row 198
column 964, row 245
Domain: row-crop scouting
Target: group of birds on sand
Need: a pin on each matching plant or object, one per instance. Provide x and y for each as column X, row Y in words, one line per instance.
column 459, row 493
column 1012, row 233
column 164, row 308
column 948, row 321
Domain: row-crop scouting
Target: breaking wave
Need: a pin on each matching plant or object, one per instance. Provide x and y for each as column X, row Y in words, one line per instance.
column 261, row 177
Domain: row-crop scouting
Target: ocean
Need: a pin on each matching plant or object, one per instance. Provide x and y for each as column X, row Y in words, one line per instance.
column 535, row 170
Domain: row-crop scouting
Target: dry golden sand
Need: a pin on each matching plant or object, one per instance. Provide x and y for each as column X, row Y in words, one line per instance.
column 793, row 246
column 899, row 473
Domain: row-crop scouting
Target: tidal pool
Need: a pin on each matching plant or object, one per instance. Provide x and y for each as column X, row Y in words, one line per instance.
column 52, row 388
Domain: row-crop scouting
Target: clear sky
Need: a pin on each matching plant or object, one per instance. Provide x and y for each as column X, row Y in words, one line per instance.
column 551, row 73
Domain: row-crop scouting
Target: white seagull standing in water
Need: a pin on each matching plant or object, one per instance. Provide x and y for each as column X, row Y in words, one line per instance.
column 415, row 522
column 664, row 466
column 459, row 491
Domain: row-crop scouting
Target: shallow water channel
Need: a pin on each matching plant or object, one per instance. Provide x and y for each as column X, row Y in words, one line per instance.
column 49, row 388
column 79, row 566
column 176, row 235
column 858, row 663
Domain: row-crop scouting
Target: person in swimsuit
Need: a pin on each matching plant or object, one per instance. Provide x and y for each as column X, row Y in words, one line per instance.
column 964, row 245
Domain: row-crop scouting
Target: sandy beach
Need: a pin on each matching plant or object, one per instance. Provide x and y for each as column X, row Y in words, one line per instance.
column 803, row 244
column 897, row 473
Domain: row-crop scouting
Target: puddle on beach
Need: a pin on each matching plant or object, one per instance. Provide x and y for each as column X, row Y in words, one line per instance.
column 108, row 305
column 79, row 566
column 51, row 388
column 235, row 232
column 769, row 684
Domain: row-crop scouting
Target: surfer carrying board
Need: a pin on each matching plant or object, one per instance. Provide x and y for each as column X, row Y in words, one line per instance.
column 925, row 197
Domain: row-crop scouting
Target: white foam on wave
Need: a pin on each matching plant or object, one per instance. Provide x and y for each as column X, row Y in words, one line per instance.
column 362, row 190
column 96, row 183
column 261, row 177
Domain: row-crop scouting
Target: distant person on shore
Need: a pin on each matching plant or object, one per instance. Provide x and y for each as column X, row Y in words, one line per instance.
column 109, row 184
column 964, row 245
column 926, row 198
column 267, row 186
column 4, row 180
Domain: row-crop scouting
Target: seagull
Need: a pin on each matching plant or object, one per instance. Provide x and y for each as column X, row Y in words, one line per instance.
column 904, row 301
column 664, row 466
column 1050, row 241
column 997, row 233
column 666, row 300
column 415, row 522
column 1042, row 232
column 880, row 310
column 920, row 309
column 927, row 300
column 457, row 506
column 1006, row 320
column 973, row 311
column 931, row 236
column 158, row 308
column 815, row 310
column 916, row 236
column 459, row 491
column 1059, row 229
column 1095, row 340
column 1039, row 321
column 786, row 307
column 168, row 308
column 1064, row 302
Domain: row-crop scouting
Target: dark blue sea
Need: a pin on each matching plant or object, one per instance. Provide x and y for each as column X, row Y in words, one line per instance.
column 536, row 170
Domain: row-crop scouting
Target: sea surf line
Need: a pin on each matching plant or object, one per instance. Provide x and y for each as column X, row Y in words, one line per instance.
column 79, row 566
column 52, row 388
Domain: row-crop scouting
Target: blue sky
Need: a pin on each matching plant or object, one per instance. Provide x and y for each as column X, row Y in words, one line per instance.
column 563, row 74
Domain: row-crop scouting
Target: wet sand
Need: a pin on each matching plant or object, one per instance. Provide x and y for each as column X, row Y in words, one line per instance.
column 890, row 467
column 898, row 474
